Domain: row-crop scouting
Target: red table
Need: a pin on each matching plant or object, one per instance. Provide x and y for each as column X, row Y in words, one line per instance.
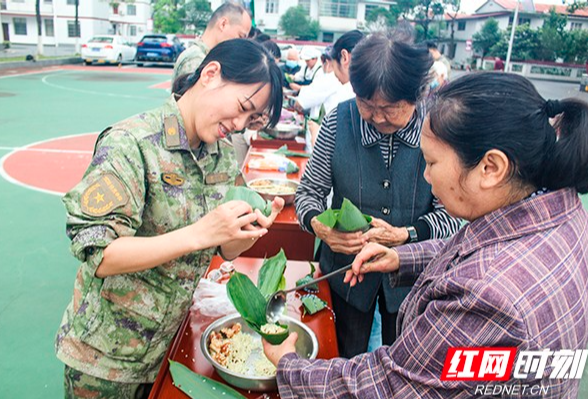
column 285, row 232
column 185, row 348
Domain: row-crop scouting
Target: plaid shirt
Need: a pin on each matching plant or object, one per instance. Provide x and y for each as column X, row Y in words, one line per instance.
column 516, row 277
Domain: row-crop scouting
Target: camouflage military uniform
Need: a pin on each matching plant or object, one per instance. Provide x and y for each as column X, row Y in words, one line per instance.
column 144, row 180
column 190, row 59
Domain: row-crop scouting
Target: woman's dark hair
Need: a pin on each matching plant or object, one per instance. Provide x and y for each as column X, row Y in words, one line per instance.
column 242, row 61
column 273, row 48
column 346, row 42
column 484, row 111
column 390, row 64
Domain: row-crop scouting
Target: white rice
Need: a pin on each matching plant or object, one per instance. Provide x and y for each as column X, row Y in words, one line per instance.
column 242, row 347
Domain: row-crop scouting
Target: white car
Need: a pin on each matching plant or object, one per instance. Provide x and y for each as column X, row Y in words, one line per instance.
column 108, row 49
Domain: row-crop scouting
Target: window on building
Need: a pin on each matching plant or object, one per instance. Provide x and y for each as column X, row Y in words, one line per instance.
column 48, row 1
column 18, row 1
column 71, row 2
column 49, row 30
column 305, row 4
column 2, row 4
column 131, row 9
column 71, row 29
column 20, row 26
column 461, row 25
column 132, row 30
column 522, row 21
column 271, row 6
column 339, row 8
column 369, row 8
column 575, row 26
column 328, row 37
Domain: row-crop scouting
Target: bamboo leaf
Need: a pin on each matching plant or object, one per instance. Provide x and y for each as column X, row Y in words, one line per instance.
column 271, row 274
column 200, row 387
column 350, row 218
column 313, row 304
column 247, row 299
column 328, row 218
column 289, row 153
column 249, row 196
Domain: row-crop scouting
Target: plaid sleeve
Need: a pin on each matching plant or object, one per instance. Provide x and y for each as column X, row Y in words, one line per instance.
column 466, row 313
column 414, row 258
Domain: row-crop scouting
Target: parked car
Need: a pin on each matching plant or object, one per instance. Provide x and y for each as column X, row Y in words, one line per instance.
column 107, row 49
column 158, row 48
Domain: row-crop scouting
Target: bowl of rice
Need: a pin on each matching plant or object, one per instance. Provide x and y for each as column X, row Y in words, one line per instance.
column 268, row 188
column 236, row 351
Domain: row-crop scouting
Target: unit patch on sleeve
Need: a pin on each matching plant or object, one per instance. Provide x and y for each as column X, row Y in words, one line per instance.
column 103, row 196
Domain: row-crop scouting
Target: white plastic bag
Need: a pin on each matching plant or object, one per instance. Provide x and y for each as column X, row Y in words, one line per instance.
column 211, row 299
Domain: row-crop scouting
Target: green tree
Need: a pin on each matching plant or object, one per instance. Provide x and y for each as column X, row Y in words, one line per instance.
column 297, row 24
column 195, row 15
column 575, row 49
column 488, row 37
column 380, row 18
column 166, row 18
column 424, row 12
column 553, row 36
column 577, row 5
column 453, row 10
column 525, row 46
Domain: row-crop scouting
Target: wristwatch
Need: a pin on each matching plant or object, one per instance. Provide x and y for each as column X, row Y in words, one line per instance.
column 412, row 234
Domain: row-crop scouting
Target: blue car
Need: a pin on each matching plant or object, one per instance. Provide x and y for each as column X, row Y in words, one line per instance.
column 158, row 48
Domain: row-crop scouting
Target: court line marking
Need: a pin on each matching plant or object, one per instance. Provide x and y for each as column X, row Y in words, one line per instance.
column 10, row 179
column 20, row 149
column 124, row 96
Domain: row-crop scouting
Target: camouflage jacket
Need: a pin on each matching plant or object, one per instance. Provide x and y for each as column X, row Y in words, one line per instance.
column 144, row 180
column 190, row 59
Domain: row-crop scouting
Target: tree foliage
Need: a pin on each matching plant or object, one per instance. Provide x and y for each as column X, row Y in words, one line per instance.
column 552, row 36
column 424, row 12
column 380, row 18
column 525, row 46
column 166, row 16
column 297, row 24
column 488, row 37
column 195, row 15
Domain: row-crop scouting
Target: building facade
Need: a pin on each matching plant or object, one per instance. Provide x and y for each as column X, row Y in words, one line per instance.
column 465, row 26
column 96, row 17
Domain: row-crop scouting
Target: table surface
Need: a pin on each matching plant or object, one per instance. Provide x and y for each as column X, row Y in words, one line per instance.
column 185, row 348
column 285, row 231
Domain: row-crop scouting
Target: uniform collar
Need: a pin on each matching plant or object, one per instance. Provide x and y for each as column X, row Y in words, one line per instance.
column 174, row 132
column 409, row 135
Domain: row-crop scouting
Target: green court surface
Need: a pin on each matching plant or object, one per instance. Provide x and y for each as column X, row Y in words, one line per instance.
column 36, row 266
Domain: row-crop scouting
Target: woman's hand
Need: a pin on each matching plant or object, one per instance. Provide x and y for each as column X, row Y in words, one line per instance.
column 258, row 121
column 228, row 222
column 339, row 242
column 277, row 207
column 313, row 128
column 373, row 258
column 386, row 234
column 275, row 353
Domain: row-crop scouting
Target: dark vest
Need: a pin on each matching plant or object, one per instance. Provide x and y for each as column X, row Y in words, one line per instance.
column 399, row 196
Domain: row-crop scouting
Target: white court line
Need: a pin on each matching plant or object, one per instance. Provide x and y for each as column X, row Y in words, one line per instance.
column 20, row 149
column 125, row 96
column 29, row 73
column 10, row 179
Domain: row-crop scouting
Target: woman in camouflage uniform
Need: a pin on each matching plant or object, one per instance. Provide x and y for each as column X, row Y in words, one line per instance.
column 148, row 216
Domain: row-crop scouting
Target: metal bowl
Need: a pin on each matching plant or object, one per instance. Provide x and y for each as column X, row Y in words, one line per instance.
column 306, row 346
column 268, row 195
column 284, row 131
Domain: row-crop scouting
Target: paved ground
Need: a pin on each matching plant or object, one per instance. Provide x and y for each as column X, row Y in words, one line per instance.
column 18, row 50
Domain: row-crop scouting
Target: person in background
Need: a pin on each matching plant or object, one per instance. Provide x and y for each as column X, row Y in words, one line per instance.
column 498, row 64
column 339, row 60
column 229, row 21
column 515, row 276
column 438, row 57
column 311, row 71
column 367, row 151
column 148, row 216
column 291, row 66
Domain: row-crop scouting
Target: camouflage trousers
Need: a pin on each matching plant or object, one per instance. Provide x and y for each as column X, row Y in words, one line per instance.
column 78, row 385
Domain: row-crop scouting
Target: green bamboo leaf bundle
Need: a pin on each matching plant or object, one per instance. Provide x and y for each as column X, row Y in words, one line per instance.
column 200, row 387
column 346, row 219
column 289, row 153
column 271, row 274
column 251, row 301
column 312, row 303
column 307, row 278
column 251, row 197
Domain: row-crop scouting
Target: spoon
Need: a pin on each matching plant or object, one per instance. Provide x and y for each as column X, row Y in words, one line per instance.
column 277, row 302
